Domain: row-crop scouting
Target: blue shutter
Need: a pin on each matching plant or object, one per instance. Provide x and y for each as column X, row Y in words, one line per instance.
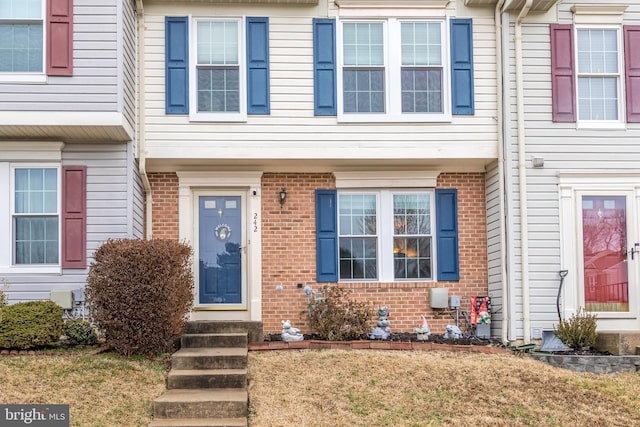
column 177, row 65
column 462, row 67
column 324, row 66
column 326, row 236
column 258, row 66
column 447, row 234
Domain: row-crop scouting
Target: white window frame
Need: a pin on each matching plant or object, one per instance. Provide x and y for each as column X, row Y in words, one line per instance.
column 385, row 234
column 12, row 267
column 602, row 124
column 392, row 75
column 196, row 116
column 29, row 76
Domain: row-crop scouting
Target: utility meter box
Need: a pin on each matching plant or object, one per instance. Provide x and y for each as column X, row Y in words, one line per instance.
column 439, row 297
column 63, row 298
column 454, row 301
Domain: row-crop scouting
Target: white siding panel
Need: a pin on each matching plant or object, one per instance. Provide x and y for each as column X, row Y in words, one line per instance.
column 292, row 118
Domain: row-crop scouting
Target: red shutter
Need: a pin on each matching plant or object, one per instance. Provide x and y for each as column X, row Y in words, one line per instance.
column 60, row 37
column 632, row 71
column 74, row 217
column 563, row 84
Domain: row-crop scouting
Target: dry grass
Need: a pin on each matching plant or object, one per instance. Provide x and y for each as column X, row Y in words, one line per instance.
column 102, row 390
column 341, row 388
column 383, row 388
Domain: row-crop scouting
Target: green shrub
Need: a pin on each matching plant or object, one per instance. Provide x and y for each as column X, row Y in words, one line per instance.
column 337, row 317
column 139, row 293
column 28, row 325
column 4, row 285
column 79, row 332
column 578, row 331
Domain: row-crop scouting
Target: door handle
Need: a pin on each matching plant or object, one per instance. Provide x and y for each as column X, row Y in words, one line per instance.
column 634, row 250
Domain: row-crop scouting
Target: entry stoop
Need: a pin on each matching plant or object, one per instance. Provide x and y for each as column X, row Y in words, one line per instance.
column 207, row 384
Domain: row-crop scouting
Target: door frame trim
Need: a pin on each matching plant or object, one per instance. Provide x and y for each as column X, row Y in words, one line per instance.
column 571, row 186
column 192, row 183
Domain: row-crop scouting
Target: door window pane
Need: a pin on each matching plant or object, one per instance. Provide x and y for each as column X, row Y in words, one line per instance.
column 604, row 234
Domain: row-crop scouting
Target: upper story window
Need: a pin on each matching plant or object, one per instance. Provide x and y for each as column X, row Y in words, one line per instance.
column 35, row 211
column 21, row 36
column 218, row 66
column 217, row 69
column 599, row 74
column 392, row 69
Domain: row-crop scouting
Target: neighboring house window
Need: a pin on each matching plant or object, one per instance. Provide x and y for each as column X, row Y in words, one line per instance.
column 386, row 235
column 401, row 228
column 394, row 68
column 36, row 216
column 588, row 74
column 21, row 36
column 599, row 74
column 218, row 71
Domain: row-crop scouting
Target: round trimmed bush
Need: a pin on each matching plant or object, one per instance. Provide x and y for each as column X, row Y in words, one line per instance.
column 28, row 325
column 79, row 332
column 139, row 293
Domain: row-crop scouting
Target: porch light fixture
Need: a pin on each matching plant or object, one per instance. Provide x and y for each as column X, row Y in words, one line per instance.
column 283, row 196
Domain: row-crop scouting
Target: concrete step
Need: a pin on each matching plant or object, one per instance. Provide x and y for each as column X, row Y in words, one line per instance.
column 254, row 329
column 206, row 378
column 209, row 358
column 199, row 422
column 212, row 403
column 226, row 339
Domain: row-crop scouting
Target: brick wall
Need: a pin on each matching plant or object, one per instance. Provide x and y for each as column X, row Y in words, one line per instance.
column 291, row 260
column 289, row 251
column 164, row 190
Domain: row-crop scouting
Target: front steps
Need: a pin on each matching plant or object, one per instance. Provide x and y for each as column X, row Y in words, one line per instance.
column 207, row 384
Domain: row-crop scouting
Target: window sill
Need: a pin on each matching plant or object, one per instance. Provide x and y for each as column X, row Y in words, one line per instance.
column 601, row 125
column 23, row 78
column 30, row 269
column 394, row 118
column 218, row 117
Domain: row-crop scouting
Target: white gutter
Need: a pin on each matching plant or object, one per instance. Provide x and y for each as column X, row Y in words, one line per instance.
column 522, row 176
column 142, row 149
column 501, row 174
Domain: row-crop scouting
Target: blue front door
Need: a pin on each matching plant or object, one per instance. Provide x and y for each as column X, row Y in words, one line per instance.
column 220, row 248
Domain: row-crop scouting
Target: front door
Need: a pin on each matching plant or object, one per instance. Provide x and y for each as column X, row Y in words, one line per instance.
column 609, row 257
column 220, row 247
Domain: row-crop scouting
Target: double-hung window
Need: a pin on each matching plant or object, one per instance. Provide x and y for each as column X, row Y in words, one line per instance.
column 386, row 235
column 21, row 36
column 218, row 66
column 599, row 74
column 35, row 213
column 392, row 69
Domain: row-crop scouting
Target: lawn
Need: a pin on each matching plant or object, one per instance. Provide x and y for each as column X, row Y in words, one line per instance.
column 103, row 390
column 340, row 388
column 393, row 388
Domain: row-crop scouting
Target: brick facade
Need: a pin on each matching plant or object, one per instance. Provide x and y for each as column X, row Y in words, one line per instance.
column 289, row 251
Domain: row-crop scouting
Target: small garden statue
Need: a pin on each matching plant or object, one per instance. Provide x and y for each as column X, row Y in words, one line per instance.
column 423, row 332
column 289, row 333
column 452, row 332
column 382, row 331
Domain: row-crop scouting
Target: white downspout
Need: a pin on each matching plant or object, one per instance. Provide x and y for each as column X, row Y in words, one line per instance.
column 522, row 176
column 501, row 186
column 142, row 149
